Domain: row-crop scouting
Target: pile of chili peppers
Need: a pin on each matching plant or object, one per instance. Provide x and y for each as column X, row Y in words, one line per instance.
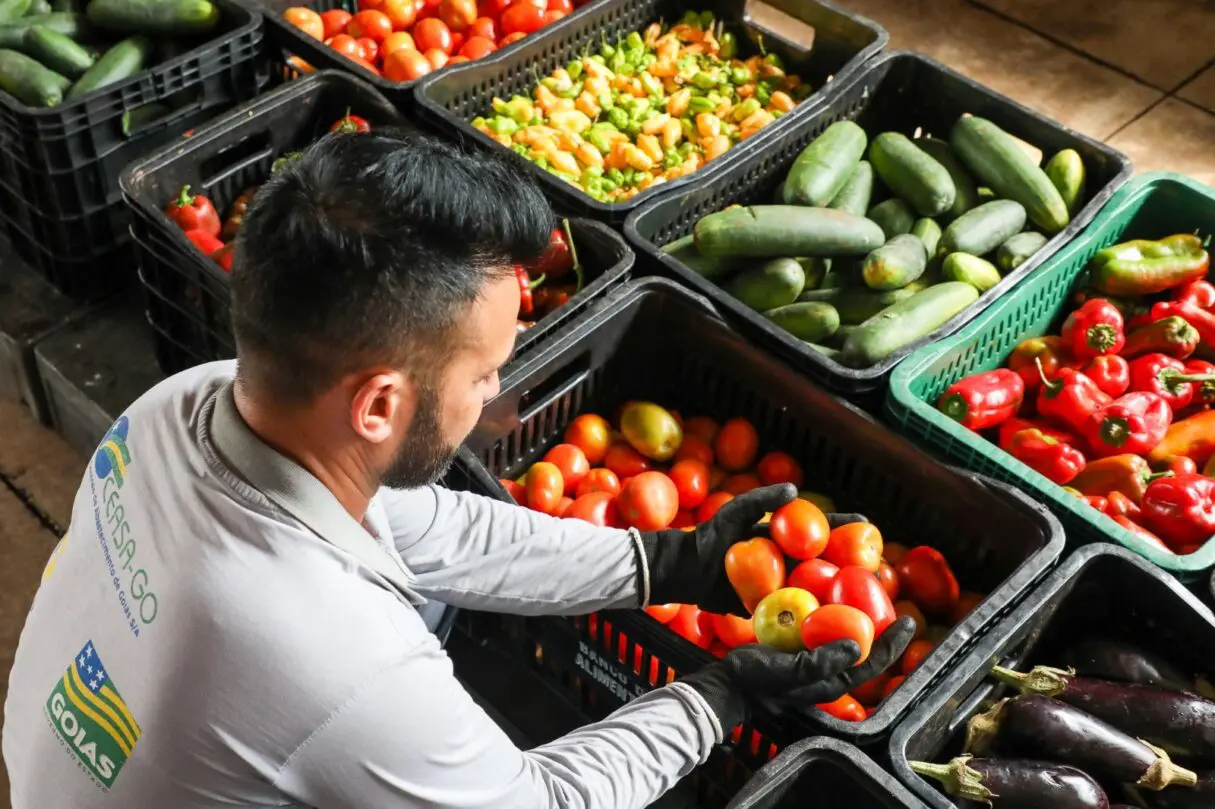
column 1117, row 407
column 544, row 284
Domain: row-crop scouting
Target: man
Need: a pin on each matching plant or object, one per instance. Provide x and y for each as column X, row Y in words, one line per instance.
column 232, row 618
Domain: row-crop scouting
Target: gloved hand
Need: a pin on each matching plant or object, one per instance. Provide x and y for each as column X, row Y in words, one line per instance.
column 755, row 675
column 688, row 567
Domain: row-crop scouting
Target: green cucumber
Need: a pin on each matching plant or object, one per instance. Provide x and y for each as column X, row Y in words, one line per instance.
column 929, row 233
column 826, row 351
column 893, row 216
column 912, row 174
column 773, row 231
column 38, row 7
column 138, row 118
column 120, row 62
column 812, row 321
column 966, row 194
column 823, row 167
column 75, row 26
column 967, row 269
column 684, row 251
column 164, row 17
column 855, row 305
column 857, row 192
column 13, row 10
column 981, row 230
column 841, row 272
column 1066, row 172
column 895, row 264
column 815, row 269
column 905, row 322
column 29, row 81
column 1014, row 252
column 1002, row 165
column 57, row 51
column 774, row 283
column 841, row 335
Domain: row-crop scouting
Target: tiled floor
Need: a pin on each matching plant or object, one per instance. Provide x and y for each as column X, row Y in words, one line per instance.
column 1139, row 74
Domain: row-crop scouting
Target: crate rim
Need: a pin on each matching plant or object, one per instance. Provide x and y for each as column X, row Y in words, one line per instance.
column 900, row 401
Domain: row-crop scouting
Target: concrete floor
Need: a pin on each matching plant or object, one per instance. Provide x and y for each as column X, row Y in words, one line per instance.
column 1139, row 74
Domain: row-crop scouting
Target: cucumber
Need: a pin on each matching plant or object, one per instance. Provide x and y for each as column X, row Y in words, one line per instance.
column 773, row 231
column 58, row 52
column 812, row 321
column 912, row 174
column 966, row 194
column 13, row 10
column 893, row 216
column 1002, row 165
column 120, row 62
column 857, row 304
column 73, row 6
column 136, row 119
column 165, row 17
column 841, row 335
column 75, row 26
column 929, row 232
column 826, row 351
column 774, row 283
column 979, row 273
column 986, row 195
column 29, row 81
column 841, row 272
column 905, row 322
column 856, row 194
column 1016, row 250
column 38, row 7
column 1066, row 172
column 895, row 264
column 684, row 251
column 815, row 269
column 823, row 167
column 981, row 230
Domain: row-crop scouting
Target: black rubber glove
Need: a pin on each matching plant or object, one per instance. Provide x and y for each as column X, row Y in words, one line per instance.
column 758, row 676
column 688, row 567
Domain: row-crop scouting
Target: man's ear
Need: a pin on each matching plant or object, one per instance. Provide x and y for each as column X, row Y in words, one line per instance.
column 382, row 401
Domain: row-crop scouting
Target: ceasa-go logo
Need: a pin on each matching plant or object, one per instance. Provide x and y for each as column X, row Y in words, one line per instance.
column 92, row 718
column 112, row 456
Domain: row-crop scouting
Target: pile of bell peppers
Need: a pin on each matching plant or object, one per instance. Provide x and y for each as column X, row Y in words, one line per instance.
column 1117, row 406
column 545, row 284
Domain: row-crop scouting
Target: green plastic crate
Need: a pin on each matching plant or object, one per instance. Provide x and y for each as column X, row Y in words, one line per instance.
column 1150, row 206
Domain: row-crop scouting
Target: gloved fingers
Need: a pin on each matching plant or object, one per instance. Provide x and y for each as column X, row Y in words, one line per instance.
column 836, row 519
column 750, row 507
column 886, row 650
column 766, row 671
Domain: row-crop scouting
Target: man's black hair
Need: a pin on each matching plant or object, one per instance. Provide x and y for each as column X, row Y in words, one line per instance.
column 366, row 249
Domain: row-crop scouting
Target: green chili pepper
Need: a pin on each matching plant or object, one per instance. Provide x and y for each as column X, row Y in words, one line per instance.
column 520, row 148
column 618, row 118
column 602, row 60
column 775, row 60
column 762, row 93
column 542, row 162
column 748, row 107
column 502, row 125
column 706, row 20
column 634, row 41
column 689, row 18
column 598, row 139
column 609, row 186
column 704, row 81
column 801, row 92
column 741, row 74
column 605, row 101
column 614, row 176
column 776, row 114
column 689, row 129
column 687, row 148
column 652, row 84
column 729, row 46
column 671, row 158
column 574, row 69
column 479, row 122
column 698, row 105
column 573, row 92
column 627, row 176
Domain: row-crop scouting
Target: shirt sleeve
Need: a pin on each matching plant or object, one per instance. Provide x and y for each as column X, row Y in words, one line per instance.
column 414, row 739
column 475, row 552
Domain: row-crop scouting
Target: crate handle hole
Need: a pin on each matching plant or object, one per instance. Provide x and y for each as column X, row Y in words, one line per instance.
column 558, row 384
column 776, row 24
column 179, row 105
column 247, row 152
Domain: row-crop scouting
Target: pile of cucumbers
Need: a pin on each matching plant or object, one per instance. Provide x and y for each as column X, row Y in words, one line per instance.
column 52, row 51
column 861, row 257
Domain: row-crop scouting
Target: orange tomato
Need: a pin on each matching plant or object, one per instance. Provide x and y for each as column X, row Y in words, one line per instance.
column 511, row 39
column 801, row 529
column 893, row 552
column 779, row 467
column 889, row 580
column 834, row 622
column 395, row 41
column 568, row 458
column 739, row 484
column 306, row 20
column 456, row 60
column 597, row 508
column 334, row 21
column 591, row 434
column 347, row 46
column 648, row 502
column 458, row 14
column 599, row 480
column 563, row 505
column 405, row 64
column 926, row 579
column 545, row 488
column 917, row 650
column 625, row 461
column 370, row 48
column 710, row 505
column 870, row 693
column 476, row 47
column 964, row 606
column 846, row 708
column 858, row 543
column 756, row 569
column 433, row 33
column 902, row 608
column 370, row 68
column 702, row 427
column 692, row 624
column 522, row 19
column 486, row 28
column 662, row 613
column 695, row 448
column 401, row 13
column 733, row 631
column 893, row 685
column 552, row 16
column 814, row 576
column 515, row 489
column 691, row 478
column 372, row 24
column 736, row 445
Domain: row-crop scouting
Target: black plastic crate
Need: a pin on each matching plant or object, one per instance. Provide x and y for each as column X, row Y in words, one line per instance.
column 654, row 340
column 1100, row 592
column 898, row 91
column 449, row 100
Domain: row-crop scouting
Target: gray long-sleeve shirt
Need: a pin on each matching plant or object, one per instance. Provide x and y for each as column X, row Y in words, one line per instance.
column 193, row 644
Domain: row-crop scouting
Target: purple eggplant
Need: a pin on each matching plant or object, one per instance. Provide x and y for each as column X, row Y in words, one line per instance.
column 1181, row 723
column 1048, row 729
column 1202, row 796
column 1013, row 784
column 1108, row 660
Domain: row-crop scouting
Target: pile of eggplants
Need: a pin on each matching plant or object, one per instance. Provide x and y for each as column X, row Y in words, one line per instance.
column 1116, row 718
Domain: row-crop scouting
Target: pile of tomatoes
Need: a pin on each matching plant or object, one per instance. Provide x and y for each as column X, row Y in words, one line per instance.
column 805, row 586
column 403, row 40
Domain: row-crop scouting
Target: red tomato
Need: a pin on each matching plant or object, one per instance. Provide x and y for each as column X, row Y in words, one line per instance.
column 701, row 427
column 870, row 693
column 591, row 434
column 334, row 21
column 801, row 529
column 457, row 60
column 902, row 608
column 458, row 14
column 552, row 16
column 563, row 505
column 432, row 33
column 599, row 480
column 685, row 520
column 372, row 24
column 893, row 552
column 717, row 477
column 597, row 508
column 756, row 569
column 662, row 613
column 691, row 478
column 964, row 606
column 405, row 64
column 816, row 576
column 625, row 461
column 457, row 41
column 401, row 13
column 398, row 40
column 476, row 47
column 648, row 502
column 692, row 624
column 486, row 28
column 510, row 39
column 492, row 8
column 915, row 654
column 370, row 68
column 545, row 488
column 347, row 46
column 739, row 484
column 926, row 579
column 834, row 622
column 858, row 543
column 694, row 449
column 779, row 617
column 522, row 19
column 370, row 48
column 731, row 630
column 779, row 467
column 857, row 587
column 709, row 507
column 306, row 20
column 736, row 445
column 893, row 685
column 565, row 6
column 846, row 708
column 567, row 457
column 542, row 5
column 719, row 649
column 366, row 5
column 889, row 580
column 515, row 489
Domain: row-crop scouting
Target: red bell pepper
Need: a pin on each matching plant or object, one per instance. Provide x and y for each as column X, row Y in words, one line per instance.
column 1093, row 329
column 526, row 285
column 1070, row 398
column 1204, row 392
column 1202, row 320
column 557, row 260
column 1016, row 424
column 1053, row 459
column 983, row 400
column 1099, row 503
column 1167, row 378
column 1200, row 293
column 1118, row 504
column 223, row 257
column 1134, row 423
column 194, row 213
column 1029, row 354
column 350, row 123
column 1178, row 465
column 1110, row 372
column 1181, row 509
column 1128, row 474
column 1171, row 335
column 1141, row 532
column 205, row 241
